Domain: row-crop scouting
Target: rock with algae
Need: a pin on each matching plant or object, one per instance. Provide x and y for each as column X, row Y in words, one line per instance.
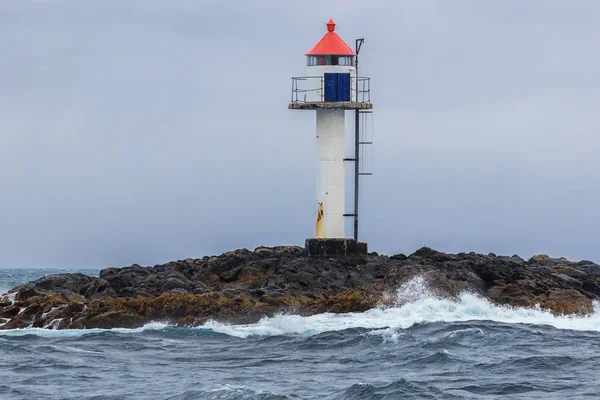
column 243, row 286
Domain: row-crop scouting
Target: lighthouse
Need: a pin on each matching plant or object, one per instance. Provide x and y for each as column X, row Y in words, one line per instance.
column 332, row 87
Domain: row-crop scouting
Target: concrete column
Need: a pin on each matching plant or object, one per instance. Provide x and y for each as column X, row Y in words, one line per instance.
column 331, row 174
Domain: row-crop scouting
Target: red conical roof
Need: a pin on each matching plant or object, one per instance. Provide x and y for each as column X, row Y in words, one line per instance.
column 331, row 44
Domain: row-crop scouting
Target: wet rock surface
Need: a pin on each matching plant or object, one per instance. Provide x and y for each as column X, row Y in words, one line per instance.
column 242, row 286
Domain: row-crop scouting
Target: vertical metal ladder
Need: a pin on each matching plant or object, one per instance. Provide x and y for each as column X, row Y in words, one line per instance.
column 362, row 138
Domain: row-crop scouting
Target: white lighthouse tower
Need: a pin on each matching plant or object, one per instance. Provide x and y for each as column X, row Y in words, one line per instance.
column 331, row 87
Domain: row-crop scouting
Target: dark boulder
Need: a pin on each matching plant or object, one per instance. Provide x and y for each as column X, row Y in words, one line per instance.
column 99, row 289
column 175, row 283
column 26, row 293
column 592, row 270
column 120, row 278
column 428, row 254
column 111, row 319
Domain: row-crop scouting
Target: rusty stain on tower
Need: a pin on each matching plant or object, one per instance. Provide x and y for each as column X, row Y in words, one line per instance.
column 320, row 214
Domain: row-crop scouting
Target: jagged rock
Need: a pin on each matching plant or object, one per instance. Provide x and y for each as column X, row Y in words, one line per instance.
column 26, row 293
column 513, row 259
column 98, row 289
column 264, row 251
column 10, row 311
column 243, row 286
column 571, row 281
column 538, row 257
column 175, row 283
column 120, row 278
column 592, row 270
column 110, row 319
column 430, row 254
column 70, row 296
column 568, row 301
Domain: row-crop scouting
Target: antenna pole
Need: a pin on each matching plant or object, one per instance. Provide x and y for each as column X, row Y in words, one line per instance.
column 359, row 43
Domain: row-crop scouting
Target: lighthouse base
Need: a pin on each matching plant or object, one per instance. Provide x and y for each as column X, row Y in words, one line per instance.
column 316, row 247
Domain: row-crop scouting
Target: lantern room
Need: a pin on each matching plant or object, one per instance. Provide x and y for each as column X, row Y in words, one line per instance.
column 325, row 59
column 330, row 76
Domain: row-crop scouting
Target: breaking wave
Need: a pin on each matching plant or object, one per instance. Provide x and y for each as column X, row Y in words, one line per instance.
column 419, row 305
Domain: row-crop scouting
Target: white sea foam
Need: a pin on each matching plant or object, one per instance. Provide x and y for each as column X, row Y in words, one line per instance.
column 9, row 296
column 51, row 333
column 53, row 324
column 44, row 315
column 415, row 304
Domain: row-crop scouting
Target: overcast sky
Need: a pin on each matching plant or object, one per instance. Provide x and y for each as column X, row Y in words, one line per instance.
column 147, row 131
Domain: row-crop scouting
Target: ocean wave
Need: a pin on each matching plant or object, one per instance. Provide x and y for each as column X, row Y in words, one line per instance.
column 415, row 305
column 398, row 389
column 227, row 392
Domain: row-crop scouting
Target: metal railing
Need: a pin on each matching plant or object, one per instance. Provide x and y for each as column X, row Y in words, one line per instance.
column 305, row 88
column 309, row 89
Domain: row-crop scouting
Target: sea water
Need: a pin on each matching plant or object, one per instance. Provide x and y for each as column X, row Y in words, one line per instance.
column 423, row 348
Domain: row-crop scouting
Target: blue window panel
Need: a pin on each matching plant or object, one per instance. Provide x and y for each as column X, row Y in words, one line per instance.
column 343, row 87
column 331, row 87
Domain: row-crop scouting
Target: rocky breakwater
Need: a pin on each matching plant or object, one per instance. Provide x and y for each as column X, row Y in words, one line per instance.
column 242, row 286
